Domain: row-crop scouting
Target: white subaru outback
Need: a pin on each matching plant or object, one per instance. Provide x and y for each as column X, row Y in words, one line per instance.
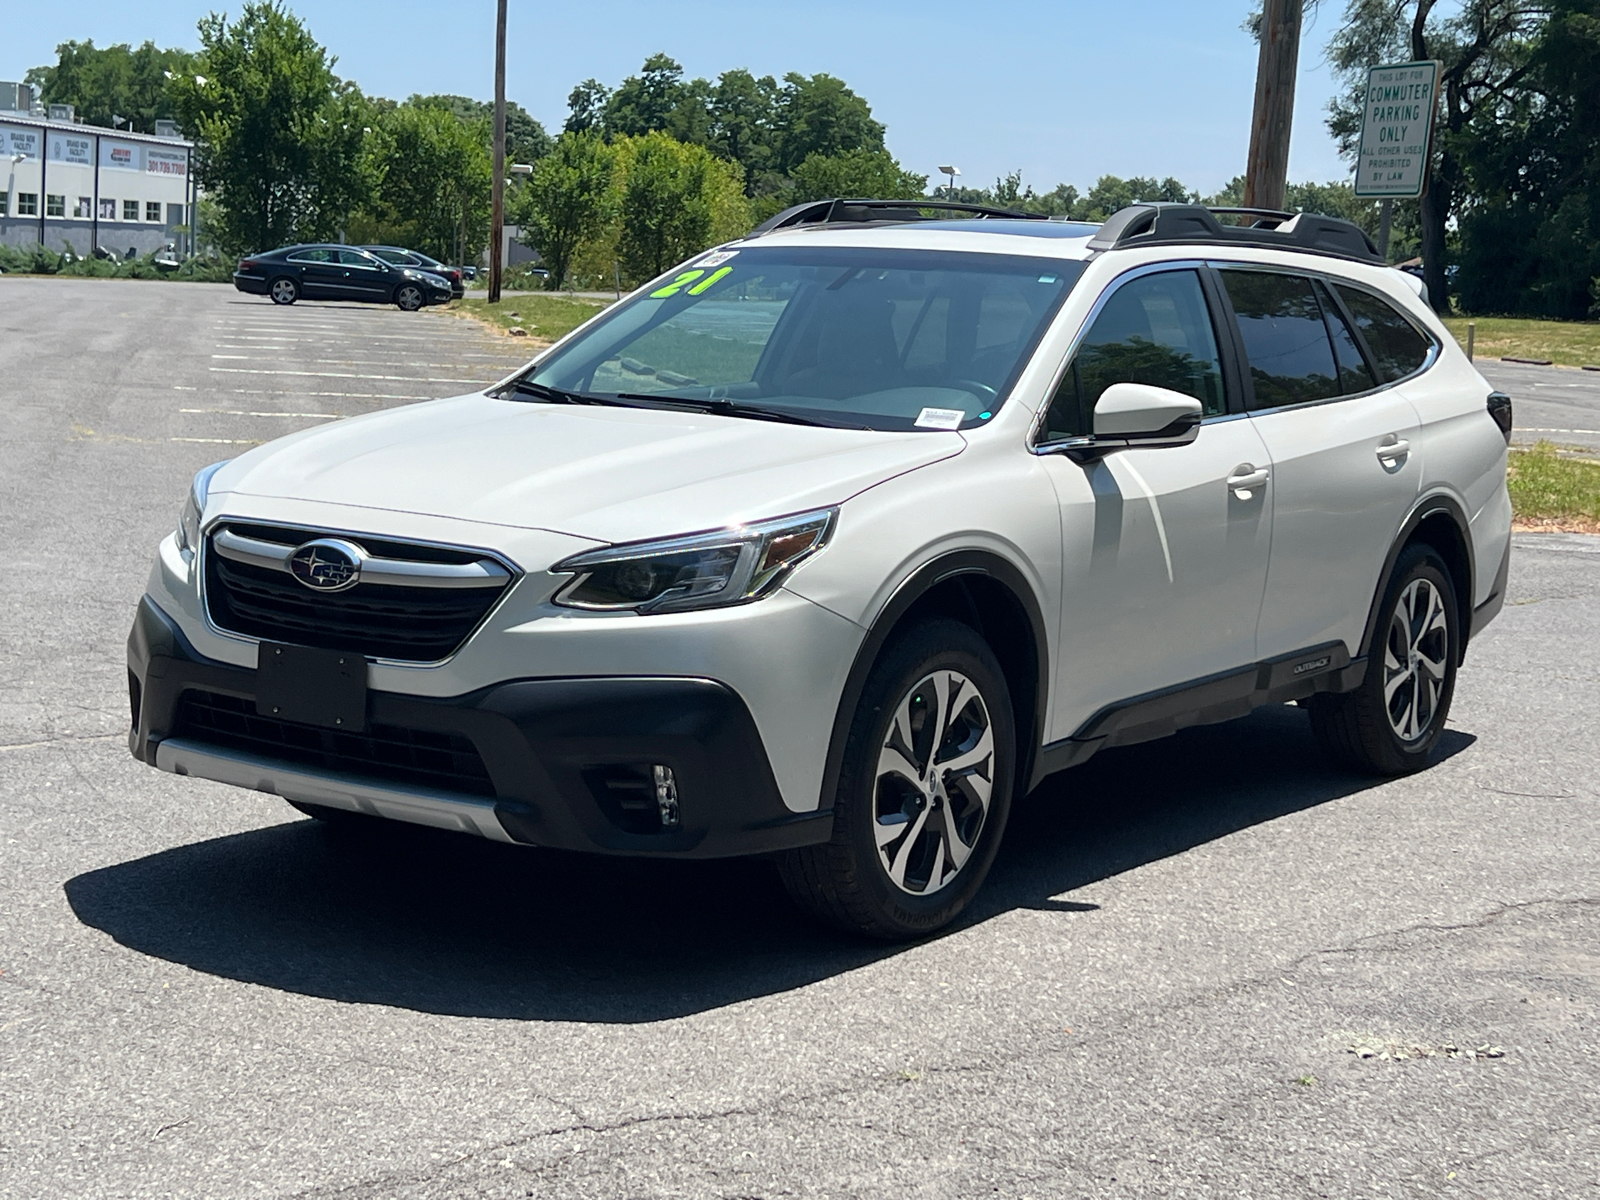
column 832, row 542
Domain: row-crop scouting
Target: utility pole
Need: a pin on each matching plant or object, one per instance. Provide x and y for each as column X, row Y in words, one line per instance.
column 1267, row 171
column 497, row 216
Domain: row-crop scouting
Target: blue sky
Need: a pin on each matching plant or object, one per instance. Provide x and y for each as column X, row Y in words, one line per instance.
column 1064, row 91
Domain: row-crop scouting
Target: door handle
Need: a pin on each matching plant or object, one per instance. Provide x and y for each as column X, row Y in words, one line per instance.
column 1392, row 449
column 1246, row 478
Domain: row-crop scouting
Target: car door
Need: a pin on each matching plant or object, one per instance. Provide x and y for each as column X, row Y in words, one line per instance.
column 321, row 276
column 1345, row 457
column 365, row 278
column 1164, row 549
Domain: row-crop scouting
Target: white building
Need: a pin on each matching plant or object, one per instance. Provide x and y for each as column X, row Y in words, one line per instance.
column 65, row 185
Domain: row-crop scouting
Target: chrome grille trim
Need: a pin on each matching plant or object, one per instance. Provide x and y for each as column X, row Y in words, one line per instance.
column 394, row 571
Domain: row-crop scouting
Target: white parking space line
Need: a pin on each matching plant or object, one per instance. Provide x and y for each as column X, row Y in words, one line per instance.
column 239, row 412
column 219, row 441
column 347, row 375
column 1535, row 429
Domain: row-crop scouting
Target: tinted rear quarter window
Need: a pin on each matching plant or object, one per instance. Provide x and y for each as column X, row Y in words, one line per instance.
column 1397, row 346
column 1285, row 339
column 1354, row 375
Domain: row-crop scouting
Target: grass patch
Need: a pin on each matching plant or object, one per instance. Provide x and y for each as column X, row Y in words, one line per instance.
column 1551, row 490
column 546, row 318
column 1566, row 343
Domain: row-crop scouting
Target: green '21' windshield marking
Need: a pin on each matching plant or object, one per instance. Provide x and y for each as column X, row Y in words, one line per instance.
column 689, row 277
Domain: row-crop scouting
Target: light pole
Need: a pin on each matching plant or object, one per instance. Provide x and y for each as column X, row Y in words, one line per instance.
column 954, row 173
column 497, row 212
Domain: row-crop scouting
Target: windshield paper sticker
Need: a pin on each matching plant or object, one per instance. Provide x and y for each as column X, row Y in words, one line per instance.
column 940, row 418
column 716, row 259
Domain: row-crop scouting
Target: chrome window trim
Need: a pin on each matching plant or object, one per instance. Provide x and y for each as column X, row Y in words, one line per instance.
column 1435, row 348
column 314, row 531
column 1037, row 447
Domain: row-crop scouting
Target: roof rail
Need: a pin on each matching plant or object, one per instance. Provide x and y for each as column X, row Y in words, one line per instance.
column 855, row 212
column 1169, row 224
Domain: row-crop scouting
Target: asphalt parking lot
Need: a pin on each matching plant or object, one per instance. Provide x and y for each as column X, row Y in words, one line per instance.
column 1207, row 967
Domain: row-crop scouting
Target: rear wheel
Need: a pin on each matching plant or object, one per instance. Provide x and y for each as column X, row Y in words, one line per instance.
column 1392, row 722
column 924, row 790
column 408, row 296
column 283, row 290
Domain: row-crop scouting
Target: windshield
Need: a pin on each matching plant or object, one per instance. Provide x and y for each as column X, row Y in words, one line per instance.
column 875, row 338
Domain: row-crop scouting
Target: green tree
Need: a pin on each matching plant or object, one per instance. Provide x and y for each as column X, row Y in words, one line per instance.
column 280, row 136
column 567, row 201
column 1530, row 238
column 526, row 139
column 743, row 114
column 112, row 83
column 1111, row 193
column 659, row 100
column 858, row 174
column 1486, row 48
column 586, row 107
column 819, row 114
column 674, row 199
column 430, row 179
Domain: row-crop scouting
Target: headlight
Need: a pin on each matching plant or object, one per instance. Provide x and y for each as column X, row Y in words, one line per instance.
column 706, row 570
column 195, row 505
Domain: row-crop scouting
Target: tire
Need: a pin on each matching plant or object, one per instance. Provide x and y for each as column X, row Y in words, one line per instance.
column 869, row 880
column 408, row 296
column 283, row 290
column 1392, row 722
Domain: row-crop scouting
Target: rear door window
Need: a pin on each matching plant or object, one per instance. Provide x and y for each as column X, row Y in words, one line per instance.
column 1398, row 347
column 312, row 256
column 1286, row 341
column 1155, row 329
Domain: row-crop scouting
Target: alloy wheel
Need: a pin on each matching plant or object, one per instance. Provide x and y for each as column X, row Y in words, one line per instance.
column 1414, row 660
column 410, row 298
column 283, row 291
column 935, row 780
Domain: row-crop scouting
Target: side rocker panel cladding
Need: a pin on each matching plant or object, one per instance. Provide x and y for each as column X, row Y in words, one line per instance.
column 949, row 568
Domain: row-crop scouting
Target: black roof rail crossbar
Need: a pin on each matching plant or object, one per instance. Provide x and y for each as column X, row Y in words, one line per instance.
column 1162, row 224
column 840, row 211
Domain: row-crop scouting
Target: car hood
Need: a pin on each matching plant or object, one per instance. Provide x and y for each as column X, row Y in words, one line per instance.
column 603, row 473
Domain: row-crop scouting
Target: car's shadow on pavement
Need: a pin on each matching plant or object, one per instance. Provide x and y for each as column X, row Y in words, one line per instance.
column 444, row 924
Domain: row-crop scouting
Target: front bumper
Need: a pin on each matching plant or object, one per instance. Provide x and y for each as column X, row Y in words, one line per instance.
column 550, row 748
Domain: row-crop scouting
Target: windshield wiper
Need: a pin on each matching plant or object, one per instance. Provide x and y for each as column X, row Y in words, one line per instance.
column 528, row 387
column 734, row 408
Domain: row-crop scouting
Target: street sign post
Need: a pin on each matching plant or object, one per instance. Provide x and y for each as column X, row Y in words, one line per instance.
column 1396, row 130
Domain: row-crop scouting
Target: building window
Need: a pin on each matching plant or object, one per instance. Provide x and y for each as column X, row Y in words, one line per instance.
column 174, row 214
column 152, row 210
column 55, row 206
column 84, row 208
column 130, row 210
column 108, row 209
column 27, row 204
column 5, row 204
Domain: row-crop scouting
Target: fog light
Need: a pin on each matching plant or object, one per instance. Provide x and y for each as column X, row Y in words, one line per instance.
column 666, row 796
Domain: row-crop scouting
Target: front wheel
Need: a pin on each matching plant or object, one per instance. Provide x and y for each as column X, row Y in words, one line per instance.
column 1392, row 722
column 409, row 297
column 284, row 290
column 924, row 790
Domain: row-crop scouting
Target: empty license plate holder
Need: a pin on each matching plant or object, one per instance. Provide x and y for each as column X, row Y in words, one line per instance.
column 312, row 686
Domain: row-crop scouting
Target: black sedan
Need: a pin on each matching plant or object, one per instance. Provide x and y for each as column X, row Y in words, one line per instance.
column 330, row 272
column 399, row 256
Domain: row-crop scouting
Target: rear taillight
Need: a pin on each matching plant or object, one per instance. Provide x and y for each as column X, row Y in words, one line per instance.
column 1500, row 410
column 246, row 265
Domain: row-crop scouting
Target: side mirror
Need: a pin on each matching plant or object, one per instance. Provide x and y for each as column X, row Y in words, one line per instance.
column 1141, row 413
column 1129, row 415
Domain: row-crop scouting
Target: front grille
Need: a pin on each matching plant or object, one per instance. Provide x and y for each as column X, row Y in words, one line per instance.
column 411, row 624
column 420, row 757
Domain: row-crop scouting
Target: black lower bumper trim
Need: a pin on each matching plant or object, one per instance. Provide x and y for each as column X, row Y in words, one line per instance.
column 542, row 742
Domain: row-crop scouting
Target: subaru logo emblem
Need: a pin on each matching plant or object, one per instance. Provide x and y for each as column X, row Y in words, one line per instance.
column 327, row 565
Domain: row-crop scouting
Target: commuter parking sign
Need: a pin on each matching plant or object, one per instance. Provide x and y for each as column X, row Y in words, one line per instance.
column 1396, row 130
